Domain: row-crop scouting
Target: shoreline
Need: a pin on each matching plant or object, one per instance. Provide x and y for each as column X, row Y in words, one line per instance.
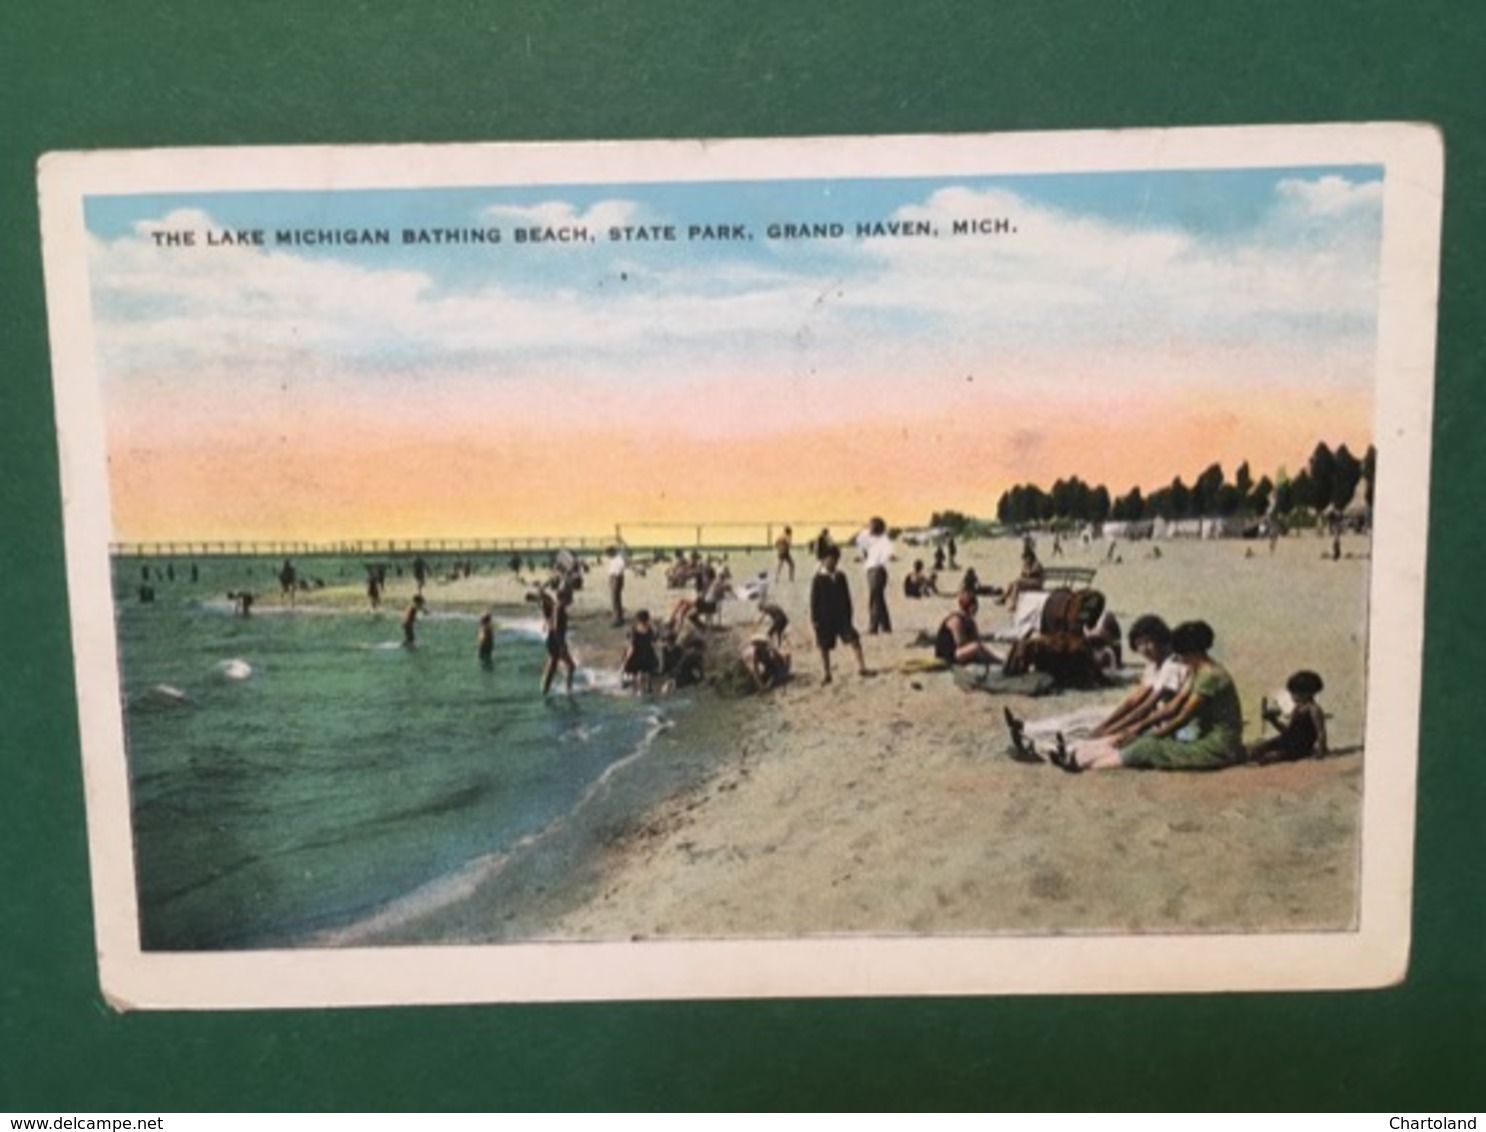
column 886, row 806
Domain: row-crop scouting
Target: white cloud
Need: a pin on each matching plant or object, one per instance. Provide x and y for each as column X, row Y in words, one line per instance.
column 562, row 214
column 1330, row 196
column 1306, row 277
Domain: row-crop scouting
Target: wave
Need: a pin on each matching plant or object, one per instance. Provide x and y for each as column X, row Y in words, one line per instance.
column 464, row 883
column 158, row 697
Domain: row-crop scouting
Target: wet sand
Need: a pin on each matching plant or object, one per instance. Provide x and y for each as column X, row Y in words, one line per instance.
column 888, row 805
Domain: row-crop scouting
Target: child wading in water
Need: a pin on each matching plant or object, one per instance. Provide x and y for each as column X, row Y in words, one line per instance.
column 485, row 640
column 1303, row 733
column 409, row 620
column 830, row 611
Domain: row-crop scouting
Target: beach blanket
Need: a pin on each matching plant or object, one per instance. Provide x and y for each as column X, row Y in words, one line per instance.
column 923, row 664
column 974, row 679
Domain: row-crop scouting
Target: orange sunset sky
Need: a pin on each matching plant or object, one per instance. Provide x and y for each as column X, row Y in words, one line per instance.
column 1120, row 335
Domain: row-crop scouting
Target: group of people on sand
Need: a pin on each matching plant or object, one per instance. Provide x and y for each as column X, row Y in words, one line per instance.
column 1185, row 714
column 661, row 659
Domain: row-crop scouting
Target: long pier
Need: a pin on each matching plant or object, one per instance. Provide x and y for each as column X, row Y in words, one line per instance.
column 636, row 537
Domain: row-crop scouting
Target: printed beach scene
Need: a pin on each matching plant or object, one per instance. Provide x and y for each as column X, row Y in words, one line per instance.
column 937, row 554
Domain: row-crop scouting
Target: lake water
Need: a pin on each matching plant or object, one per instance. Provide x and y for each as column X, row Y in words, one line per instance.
column 295, row 772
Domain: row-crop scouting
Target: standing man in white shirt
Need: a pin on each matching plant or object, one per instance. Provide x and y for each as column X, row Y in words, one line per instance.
column 615, row 569
column 878, row 548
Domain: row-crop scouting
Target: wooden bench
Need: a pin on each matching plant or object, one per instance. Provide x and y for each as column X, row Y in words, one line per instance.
column 1068, row 577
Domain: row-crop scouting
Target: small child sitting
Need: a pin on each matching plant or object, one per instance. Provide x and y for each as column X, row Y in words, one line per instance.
column 1303, row 732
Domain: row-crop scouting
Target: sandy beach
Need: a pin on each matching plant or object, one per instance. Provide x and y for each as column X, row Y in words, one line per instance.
column 888, row 805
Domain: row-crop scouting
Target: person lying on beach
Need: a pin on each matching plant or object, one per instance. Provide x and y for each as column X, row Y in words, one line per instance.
column 970, row 584
column 1163, row 678
column 768, row 665
column 640, row 663
column 485, row 640
column 1201, row 729
column 1303, row 732
column 958, row 639
column 409, row 619
column 830, row 611
column 777, row 619
column 555, row 622
column 920, row 584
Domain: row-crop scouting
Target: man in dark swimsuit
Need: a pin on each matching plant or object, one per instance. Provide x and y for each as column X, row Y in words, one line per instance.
column 485, row 641
column 555, row 616
column 782, row 548
column 409, row 619
column 288, row 580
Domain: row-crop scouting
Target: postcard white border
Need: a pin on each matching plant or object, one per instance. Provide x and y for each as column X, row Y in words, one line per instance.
column 1373, row 955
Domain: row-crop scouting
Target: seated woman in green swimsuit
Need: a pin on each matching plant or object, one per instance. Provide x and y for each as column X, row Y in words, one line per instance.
column 1200, row 729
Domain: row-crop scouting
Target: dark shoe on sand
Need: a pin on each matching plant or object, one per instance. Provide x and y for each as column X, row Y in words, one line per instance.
column 1022, row 749
column 1063, row 759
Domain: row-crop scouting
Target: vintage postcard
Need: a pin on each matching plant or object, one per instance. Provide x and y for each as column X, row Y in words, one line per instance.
column 832, row 566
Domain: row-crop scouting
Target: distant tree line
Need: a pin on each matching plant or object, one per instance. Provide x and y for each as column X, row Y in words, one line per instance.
column 1329, row 479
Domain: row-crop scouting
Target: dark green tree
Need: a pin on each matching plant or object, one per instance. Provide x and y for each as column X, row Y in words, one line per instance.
column 1322, row 468
column 1303, row 492
column 1258, row 499
column 1347, row 470
column 1204, row 499
column 1099, row 505
column 953, row 521
column 1178, row 500
column 1243, row 479
column 1230, row 500
column 1284, row 497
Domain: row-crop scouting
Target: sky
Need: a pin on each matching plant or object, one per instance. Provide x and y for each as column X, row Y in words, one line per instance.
column 1122, row 327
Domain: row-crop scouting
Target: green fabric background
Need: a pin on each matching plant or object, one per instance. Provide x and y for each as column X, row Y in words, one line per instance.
column 124, row 74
